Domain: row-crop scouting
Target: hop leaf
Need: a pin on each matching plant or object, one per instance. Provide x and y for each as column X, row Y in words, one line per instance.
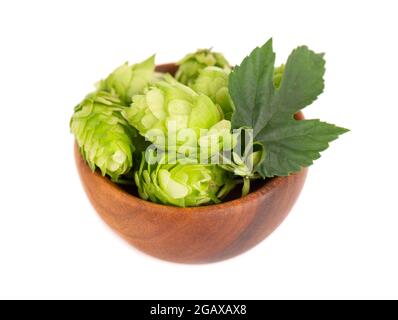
column 191, row 65
column 127, row 80
column 267, row 101
column 103, row 135
column 182, row 185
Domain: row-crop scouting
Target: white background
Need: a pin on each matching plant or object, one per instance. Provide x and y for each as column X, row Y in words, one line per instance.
column 340, row 240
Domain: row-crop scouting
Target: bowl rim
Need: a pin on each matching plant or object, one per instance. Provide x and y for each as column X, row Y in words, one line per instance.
column 268, row 186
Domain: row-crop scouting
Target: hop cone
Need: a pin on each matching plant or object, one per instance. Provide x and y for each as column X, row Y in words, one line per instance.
column 243, row 159
column 127, row 80
column 193, row 63
column 278, row 72
column 171, row 109
column 213, row 82
column 103, row 135
column 182, row 185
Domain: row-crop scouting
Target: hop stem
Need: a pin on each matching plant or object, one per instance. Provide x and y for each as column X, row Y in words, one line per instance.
column 246, row 186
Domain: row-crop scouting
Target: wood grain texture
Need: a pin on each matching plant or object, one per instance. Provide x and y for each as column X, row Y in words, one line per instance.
column 192, row 235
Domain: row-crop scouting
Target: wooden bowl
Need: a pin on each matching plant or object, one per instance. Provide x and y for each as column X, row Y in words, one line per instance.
column 192, row 235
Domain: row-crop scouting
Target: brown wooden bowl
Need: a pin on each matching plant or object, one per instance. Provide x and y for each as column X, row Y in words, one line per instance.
column 192, row 235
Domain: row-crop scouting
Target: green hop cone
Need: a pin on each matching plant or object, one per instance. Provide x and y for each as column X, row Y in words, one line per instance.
column 103, row 135
column 191, row 65
column 182, row 185
column 243, row 159
column 278, row 73
column 171, row 115
column 243, row 166
column 128, row 80
column 213, row 82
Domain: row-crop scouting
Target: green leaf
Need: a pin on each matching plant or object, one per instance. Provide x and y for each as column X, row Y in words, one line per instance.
column 289, row 144
column 251, row 86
